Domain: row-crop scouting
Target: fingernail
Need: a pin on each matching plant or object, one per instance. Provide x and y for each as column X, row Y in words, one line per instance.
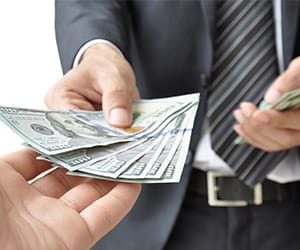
column 119, row 116
column 272, row 95
column 246, row 109
column 238, row 116
column 238, row 130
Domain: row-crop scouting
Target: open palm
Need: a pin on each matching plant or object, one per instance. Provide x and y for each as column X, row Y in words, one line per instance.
column 56, row 211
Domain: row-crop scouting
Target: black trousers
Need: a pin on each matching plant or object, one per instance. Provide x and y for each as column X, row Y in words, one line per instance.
column 271, row 226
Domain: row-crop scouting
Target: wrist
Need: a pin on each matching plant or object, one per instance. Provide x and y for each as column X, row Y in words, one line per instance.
column 103, row 61
column 101, row 48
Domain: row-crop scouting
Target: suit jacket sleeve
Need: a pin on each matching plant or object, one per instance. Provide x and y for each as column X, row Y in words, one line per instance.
column 80, row 21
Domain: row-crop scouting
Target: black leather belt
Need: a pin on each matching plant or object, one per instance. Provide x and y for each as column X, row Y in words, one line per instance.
column 227, row 190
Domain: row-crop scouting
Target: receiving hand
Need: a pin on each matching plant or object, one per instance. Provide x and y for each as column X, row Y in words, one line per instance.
column 272, row 130
column 56, row 211
column 102, row 80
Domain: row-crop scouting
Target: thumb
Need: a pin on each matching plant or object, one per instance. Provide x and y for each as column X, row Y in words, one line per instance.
column 117, row 108
column 114, row 78
column 287, row 81
column 117, row 97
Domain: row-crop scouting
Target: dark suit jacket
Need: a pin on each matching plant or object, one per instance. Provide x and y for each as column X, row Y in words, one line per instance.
column 169, row 44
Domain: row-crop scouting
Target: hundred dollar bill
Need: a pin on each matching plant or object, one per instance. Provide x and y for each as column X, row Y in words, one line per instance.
column 163, row 160
column 149, row 115
column 113, row 166
column 152, row 150
column 174, row 169
column 287, row 101
column 142, row 166
column 84, row 157
column 52, row 132
column 172, row 173
column 118, row 163
column 55, row 131
column 133, row 169
column 139, row 168
column 175, row 145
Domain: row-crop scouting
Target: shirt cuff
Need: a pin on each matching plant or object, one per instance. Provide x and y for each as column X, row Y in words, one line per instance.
column 90, row 43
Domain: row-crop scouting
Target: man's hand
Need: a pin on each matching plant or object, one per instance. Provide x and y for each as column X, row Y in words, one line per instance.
column 56, row 211
column 102, row 80
column 268, row 129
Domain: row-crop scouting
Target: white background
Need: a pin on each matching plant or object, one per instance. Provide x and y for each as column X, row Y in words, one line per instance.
column 29, row 62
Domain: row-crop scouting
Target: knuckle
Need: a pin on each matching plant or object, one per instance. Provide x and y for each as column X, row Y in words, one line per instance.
column 108, row 218
column 48, row 98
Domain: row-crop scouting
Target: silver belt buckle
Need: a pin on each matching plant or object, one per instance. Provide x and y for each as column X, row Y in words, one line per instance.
column 212, row 192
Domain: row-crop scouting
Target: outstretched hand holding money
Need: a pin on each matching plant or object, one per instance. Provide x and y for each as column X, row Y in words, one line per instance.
column 102, row 80
column 266, row 127
column 56, row 211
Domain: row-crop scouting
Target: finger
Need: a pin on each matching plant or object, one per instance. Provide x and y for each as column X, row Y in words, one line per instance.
column 289, row 119
column 73, row 91
column 117, row 108
column 113, row 77
column 24, row 162
column 247, row 109
column 287, row 81
column 249, row 129
column 282, row 126
column 117, row 97
column 259, row 131
column 256, row 139
column 270, row 139
column 57, row 183
column 86, row 193
column 239, row 116
column 102, row 215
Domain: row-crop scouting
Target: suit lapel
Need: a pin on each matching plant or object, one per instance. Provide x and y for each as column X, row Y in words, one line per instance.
column 286, row 20
column 208, row 14
column 208, row 10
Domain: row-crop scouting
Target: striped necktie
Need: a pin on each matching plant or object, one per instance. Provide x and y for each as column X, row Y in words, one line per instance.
column 245, row 65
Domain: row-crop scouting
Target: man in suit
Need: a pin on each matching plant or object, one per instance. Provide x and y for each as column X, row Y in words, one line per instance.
column 114, row 51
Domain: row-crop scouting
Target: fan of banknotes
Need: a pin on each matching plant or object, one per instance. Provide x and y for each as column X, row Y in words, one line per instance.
column 289, row 100
column 152, row 150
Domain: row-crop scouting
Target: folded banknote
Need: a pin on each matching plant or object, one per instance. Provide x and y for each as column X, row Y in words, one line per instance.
column 152, row 150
